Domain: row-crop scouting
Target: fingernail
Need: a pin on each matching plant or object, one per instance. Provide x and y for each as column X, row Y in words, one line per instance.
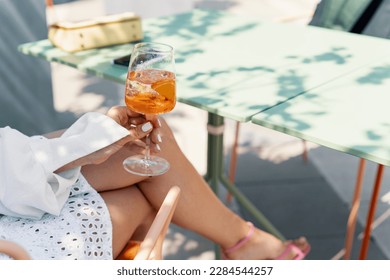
column 146, row 127
column 158, row 147
column 159, row 138
column 159, row 123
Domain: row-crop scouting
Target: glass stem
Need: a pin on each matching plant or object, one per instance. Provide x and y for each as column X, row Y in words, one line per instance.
column 147, row 139
column 147, row 148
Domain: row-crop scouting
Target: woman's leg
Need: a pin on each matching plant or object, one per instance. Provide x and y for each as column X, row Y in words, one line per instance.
column 130, row 213
column 198, row 210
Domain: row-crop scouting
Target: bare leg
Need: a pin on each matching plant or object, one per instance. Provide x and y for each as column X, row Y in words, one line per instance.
column 198, row 210
column 130, row 212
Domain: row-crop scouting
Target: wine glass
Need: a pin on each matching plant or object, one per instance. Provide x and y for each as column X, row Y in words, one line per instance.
column 150, row 90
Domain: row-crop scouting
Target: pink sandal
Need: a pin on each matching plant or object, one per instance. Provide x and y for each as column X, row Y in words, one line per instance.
column 292, row 248
column 240, row 243
column 299, row 254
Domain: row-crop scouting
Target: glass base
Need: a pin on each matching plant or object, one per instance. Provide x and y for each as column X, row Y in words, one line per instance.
column 153, row 166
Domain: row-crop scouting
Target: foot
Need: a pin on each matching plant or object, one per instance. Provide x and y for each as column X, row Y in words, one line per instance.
column 294, row 250
column 260, row 245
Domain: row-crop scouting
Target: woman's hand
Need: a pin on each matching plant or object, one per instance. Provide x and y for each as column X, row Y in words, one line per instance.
column 130, row 120
column 138, row 128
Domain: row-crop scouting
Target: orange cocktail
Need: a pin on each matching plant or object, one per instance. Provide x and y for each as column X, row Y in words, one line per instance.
column 150, row 91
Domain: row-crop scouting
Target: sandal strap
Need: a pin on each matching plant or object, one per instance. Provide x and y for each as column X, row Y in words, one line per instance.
column 240, row 243
column 292, row 248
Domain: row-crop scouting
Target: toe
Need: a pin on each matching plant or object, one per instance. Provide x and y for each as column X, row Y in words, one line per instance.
column 302, row 244
column 294, row 249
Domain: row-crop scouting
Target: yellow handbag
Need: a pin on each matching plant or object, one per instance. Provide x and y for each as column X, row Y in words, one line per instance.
column 98, row 32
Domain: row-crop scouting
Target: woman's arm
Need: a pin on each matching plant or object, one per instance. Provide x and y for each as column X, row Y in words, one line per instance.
column 137, row 127
column 36, row 173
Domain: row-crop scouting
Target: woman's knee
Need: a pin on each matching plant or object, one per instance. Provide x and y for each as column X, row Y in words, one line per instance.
column 166, row 131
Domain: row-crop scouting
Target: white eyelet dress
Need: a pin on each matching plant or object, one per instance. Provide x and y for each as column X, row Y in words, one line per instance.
column 82, row 231
column 55, row 215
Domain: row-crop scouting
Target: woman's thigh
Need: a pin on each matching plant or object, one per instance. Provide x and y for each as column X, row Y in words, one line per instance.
column 111, row 175
column 129, row 211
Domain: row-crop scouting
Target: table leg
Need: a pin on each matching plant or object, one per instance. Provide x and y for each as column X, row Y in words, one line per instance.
column 215, row 128
column 371, row 212
column 351, row 225
column 233, row 160
column 215, row 172
column 247, row 204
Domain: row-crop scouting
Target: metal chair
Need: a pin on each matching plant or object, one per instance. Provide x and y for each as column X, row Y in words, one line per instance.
column 14, row 250
column 151, row 247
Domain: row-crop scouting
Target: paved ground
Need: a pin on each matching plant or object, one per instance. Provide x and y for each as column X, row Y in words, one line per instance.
column 310, row 198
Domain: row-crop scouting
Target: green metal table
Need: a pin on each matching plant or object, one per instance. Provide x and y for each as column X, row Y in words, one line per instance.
column 233, row 67
column 350, row 114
